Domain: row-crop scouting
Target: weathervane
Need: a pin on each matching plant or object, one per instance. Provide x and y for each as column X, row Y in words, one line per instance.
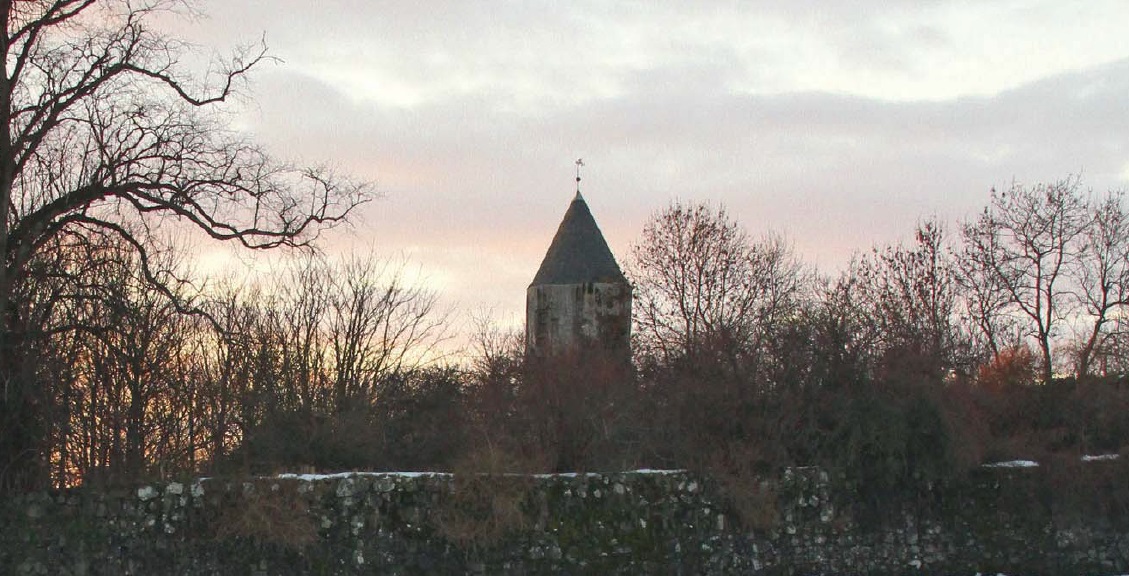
column 579, row 163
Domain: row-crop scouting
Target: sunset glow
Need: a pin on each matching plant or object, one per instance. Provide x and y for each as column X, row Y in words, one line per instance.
column 838, row 125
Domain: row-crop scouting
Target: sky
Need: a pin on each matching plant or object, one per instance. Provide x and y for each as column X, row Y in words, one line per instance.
column 839, row 124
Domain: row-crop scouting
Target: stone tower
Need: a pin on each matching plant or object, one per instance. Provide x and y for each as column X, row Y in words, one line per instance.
column 579, row 300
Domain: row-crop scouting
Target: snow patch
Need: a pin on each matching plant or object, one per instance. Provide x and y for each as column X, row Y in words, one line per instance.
column 343, row 475
column 1099, row 457
column 599, row 474
column 1033, row 464
column 1013, row 464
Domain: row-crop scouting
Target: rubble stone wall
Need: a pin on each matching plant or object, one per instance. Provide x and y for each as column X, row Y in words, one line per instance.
column 615, row 523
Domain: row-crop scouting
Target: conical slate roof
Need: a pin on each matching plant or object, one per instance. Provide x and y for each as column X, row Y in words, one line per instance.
column 579, row 254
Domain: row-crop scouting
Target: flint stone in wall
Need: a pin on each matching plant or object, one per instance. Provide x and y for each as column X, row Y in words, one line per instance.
column 620, row 523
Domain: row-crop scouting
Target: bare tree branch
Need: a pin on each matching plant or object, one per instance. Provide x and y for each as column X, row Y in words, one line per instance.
column 105, row 135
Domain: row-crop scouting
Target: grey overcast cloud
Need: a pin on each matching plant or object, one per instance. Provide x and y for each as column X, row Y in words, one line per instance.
column 837, row 123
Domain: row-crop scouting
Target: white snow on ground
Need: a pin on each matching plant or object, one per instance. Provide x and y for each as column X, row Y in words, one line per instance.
column 1032, row 464
column 1096, row 457
column 339, row 475
column 596, row 474
column 1013, row 464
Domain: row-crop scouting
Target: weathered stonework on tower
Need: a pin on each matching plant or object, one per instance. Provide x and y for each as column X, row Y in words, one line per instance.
column 579, row 301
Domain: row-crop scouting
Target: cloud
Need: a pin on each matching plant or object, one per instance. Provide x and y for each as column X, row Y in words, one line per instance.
column 543, row 53
column 476, row 189
column 837, row 123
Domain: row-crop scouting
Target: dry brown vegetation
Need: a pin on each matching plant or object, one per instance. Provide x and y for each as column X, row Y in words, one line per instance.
column 272, row 514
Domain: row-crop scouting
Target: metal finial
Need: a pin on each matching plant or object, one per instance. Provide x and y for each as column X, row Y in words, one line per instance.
column 579, row 163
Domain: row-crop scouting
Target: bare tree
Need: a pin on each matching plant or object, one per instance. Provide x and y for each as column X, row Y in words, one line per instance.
column 298, row 315
column 909, row 297
column 699, row 281
column 112, row 371
column 1102, row 274
column 495, row 349
column 318, row 353
column 985, row 304
column 1036, row 257
column 222, row 370
column 133, row 366
column 102, row 133
column 379, row 324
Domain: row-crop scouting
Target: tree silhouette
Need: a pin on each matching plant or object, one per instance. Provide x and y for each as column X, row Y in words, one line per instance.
column 701, row 284
column 102, row 134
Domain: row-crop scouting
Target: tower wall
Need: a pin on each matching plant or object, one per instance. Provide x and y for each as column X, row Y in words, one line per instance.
column 578, row 317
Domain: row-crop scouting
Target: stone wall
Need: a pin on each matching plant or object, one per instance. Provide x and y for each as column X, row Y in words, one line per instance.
column 619, row 523
column 561, row 317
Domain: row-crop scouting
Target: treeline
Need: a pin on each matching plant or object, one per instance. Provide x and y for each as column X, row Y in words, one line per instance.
column 142, row 383
column 920, row 362
column 1002, row 340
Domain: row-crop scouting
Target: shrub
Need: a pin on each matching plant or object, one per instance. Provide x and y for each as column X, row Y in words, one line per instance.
column 277, row 515
column 745, row 485
column 1085, row 490
column 486, row 502
column 571, row 412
